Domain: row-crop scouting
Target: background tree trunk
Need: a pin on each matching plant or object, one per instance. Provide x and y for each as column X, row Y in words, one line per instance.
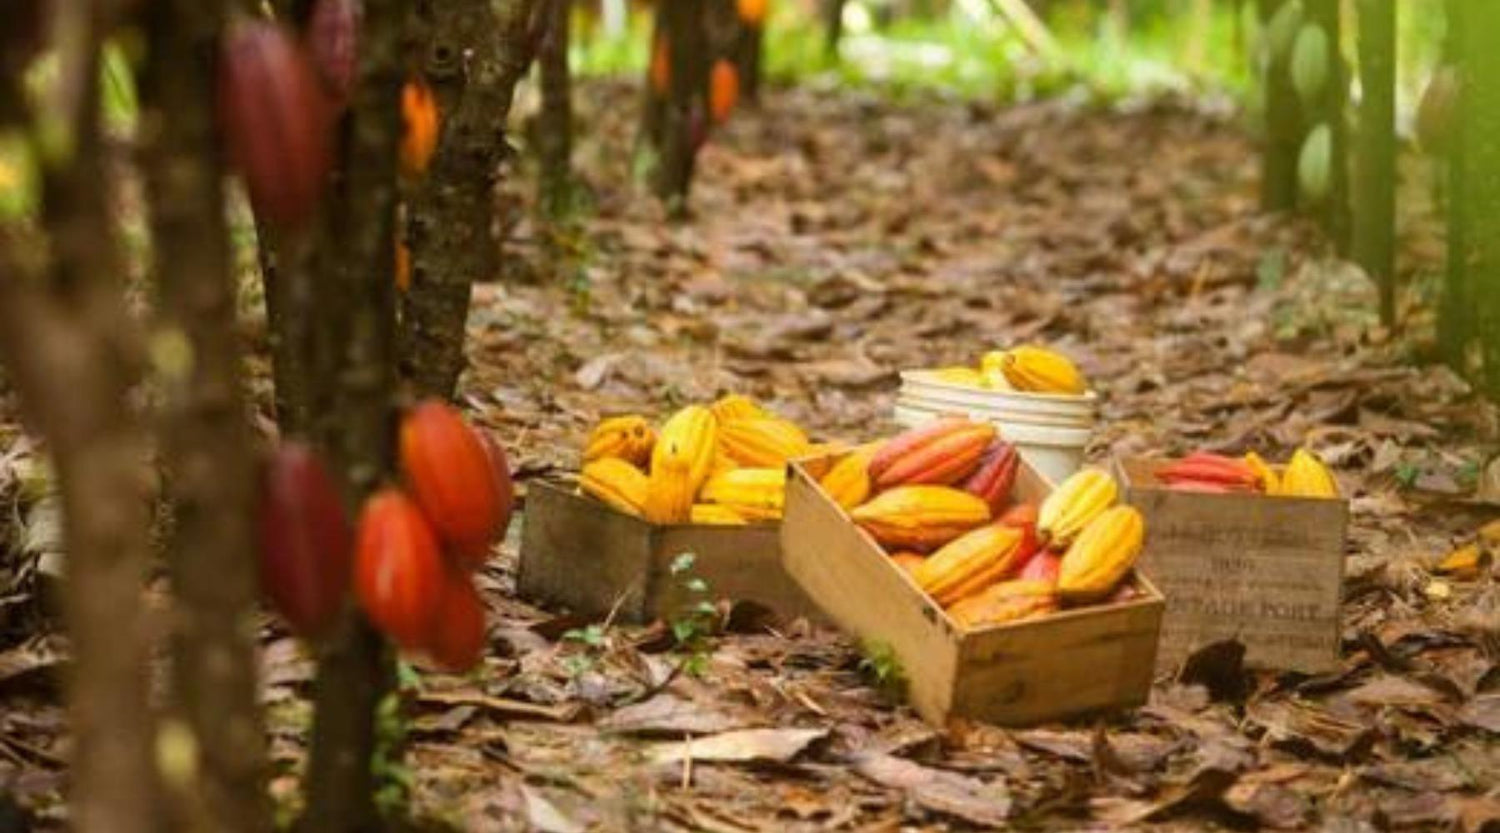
column 204, row 436
column 1479, row 186
column 1334, row 212
column 73, row 354
column 476, row 54
column 833, row 22
column 1375, row 196
column 555, row 121
column 676, row 124
column 748, row 45
column 1284, row 128
column 1455, row 311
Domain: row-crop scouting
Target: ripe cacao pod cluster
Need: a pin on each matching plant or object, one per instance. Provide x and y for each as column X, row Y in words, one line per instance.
column 1305, row 475
column 940, row 500
column 411, row 558
column 721, row 464
column 1026, row 368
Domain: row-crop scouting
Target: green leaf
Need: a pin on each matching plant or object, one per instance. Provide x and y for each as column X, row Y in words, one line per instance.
column 1315, row 163
column 1310, row 62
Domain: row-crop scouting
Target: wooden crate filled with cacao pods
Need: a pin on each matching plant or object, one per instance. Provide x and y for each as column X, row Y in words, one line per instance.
column 999, row 597
column 1244, row 550
column 709, row 484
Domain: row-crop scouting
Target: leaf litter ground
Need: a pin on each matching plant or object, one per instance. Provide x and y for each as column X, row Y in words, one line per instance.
column 837, row 238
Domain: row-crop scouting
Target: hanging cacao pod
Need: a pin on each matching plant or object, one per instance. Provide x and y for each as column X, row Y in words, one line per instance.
column 398, row 572
column 723, row 90
column 458, row 632
column 452, row 478
column 275, row 119
column 304, row 540
column 332, row 39
column 421, row 123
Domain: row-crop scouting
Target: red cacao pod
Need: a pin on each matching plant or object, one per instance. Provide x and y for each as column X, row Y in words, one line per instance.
column 398, row 575
column 995, row 476
column 505, row 487
column 450, row 475
column 304, row 540
column 1043, row 566
column 458, row 633
column 275, row 118
column 333, row 41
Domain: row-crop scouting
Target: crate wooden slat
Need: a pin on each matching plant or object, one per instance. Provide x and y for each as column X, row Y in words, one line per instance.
column 1266, row 570
column 1068, row 664
column 580, row 554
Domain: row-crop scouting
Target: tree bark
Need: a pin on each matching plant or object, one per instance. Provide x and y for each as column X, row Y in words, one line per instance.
column 1375, row 203
column 1284, row 128
column 748, row 45
column 1334, row 212
column 204, row 435
column 833, row 23
column 73, row 354
column 476, row 54
column 354, row 359
column 555, row 122
column 1455, row 311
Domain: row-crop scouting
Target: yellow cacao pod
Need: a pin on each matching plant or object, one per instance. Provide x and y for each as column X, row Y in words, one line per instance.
column 712, row 514
column 920, row 517
column 722, row 463
column 617, row 483
column 848, row 482
column 753, row 493
column 969, row 563
column 1306, row 476
column 1039, row 370
column 1006, row 601
column 1104, row 552
column 959, row 375
column 736, row 406
column 762, row 442
column 1270, row 482
column 1076, row 501
column 669, row 493
column 629, row 438
column 689, row 436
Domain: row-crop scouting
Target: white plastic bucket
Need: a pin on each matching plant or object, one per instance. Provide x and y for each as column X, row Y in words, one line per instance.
column 1050, row 431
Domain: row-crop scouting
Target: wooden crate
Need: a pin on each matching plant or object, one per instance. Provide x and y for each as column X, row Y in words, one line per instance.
column 580, row 554
column 1070, row 663
column 1267, row 570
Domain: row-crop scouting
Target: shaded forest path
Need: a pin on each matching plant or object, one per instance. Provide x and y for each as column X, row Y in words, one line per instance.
column 838, row 238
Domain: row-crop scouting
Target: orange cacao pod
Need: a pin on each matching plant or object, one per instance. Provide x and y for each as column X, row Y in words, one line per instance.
column 305, row 540
column 848, row 482
column 908, row 561
column 752, row 12
column 421, row 123
column 276, row 121
column 399, row 573
column 996, row 476
column 970, row 563
column 1041, row 566
column 332, row 38
column 505, row 487
column 1007, row 601
column 450, row 475
column 723, row 90
column 939, row 453
column 661, row 66
column 920, row 517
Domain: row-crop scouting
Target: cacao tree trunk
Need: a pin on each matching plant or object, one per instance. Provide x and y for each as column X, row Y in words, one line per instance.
column 1334, row 212
column 1284, row 126
column 354, row 361
column 833, row 23
column 1456, row 315
column 1375, row 196
column 555, row 122
column 73, row 355
column 675, row 122
column 748, row 45
column 1479, row 186
column 204, row 436
column 476, row 53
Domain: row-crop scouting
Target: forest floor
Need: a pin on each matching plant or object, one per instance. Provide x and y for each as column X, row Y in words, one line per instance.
column 836, row 239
